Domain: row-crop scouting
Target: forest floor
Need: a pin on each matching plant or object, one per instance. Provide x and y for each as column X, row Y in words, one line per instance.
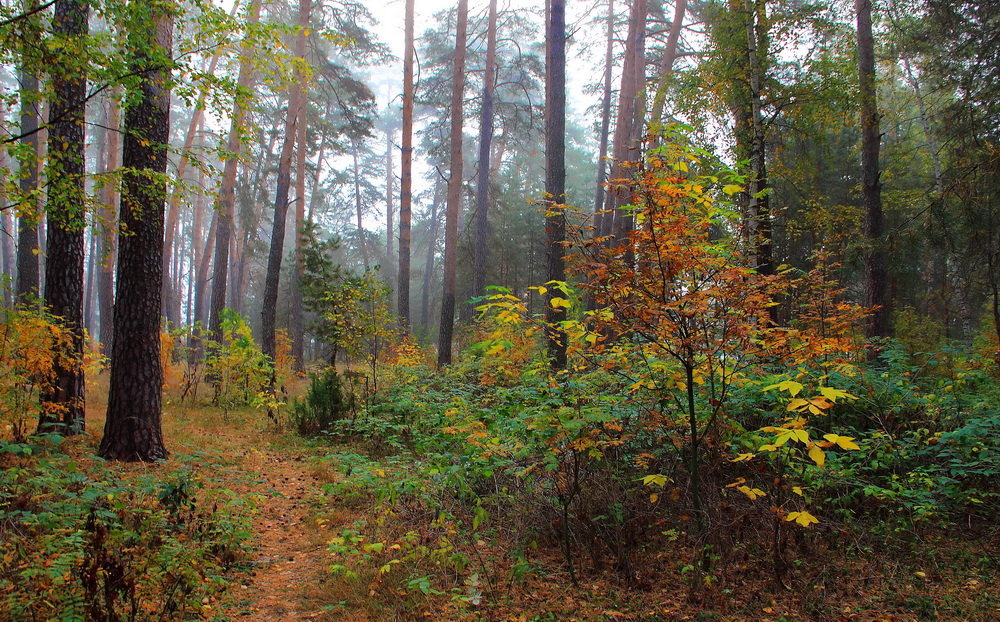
column 287, row 575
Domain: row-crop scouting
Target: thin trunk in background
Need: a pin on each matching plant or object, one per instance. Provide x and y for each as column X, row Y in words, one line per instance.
column 876, row 286
column 27, row 224
column 454, row 189
column 389, row 275
column 295, row 319
column 481, row 246
column 425, row 294
column 758, row 187
column 133, row 431
column 295, row 99
column 7, row 229
column 359, row 225
column 602, row 154
column 107, row 223
column 227, row 186
column 406, row 176
column 67, row 218
column 628, row 126
column 555, row 181
column 667, row 64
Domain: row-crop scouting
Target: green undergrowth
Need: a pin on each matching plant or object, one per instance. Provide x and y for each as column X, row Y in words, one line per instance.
column 87, row 540
column 462, row 490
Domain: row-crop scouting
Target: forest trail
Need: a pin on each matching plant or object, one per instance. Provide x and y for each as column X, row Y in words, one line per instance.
column 290, row 556
column 287, row 563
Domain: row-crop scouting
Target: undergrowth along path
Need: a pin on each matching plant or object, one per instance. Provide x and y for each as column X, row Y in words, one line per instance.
column 288, row 563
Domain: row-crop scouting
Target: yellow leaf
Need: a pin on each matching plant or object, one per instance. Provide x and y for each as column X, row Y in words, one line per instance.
column 743, row 458
column 803, row 518
column 559, row 302
column 655, row 480
column 753, row 493
column 793, row 388
column 801, row 435
column 818, row 455
column 768, row 448
column 732, row 189
column 834, row 394
column 797, row 490
column 797, row 404
column 844, row 442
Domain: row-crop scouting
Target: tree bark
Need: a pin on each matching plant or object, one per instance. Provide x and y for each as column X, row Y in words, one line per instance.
column 628, row 128
column 406, row 176
column 481, row 246
column 425, row 293
column 390, row 247
column 133, row 429
column 295, row 97
column 359, row 225
column 295, row 319
column 27, row 223
column 555, row 180
column 667, row 65
column 7, row 231
column 63, row 400
column 602, row 154
column 227, row 187
column 107, row 241
column 454, row 189
column 876, row 286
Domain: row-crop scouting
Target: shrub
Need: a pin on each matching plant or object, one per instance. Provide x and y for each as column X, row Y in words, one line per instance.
column 326, row 403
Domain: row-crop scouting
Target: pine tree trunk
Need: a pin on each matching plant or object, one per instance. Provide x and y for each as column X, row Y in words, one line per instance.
column 406, row 176
column 425, row 293
column 628, row 127
column 133, row 428
column 390, row 246
column 359, row 225
column 602, row 154
column 107, row 240
column 227, row 187
column 455, row 183
column 67, row 218
column 481, row 246
column 270, row 297
column 667, row 65
column 7, row 231
column 555, row 179
column 876, row 285
column 295, row 319
column 27, row 230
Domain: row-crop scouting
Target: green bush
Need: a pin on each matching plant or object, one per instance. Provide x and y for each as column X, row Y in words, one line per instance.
column 326, row 403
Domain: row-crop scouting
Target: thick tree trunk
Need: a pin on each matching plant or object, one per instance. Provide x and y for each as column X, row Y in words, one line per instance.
column 133, row 427
column 27, row 230
column 555, row 179
column 108, row 238
column 227, row 187
column 270, row 297
column 876, row 285
column 481, row 246
column 406, row 176
column 67, row 217
column 455, row 183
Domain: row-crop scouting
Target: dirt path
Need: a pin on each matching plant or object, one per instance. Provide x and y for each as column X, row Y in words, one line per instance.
column 290, row 553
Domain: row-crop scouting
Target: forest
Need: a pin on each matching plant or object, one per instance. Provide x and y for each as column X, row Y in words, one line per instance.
column 520, row 311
